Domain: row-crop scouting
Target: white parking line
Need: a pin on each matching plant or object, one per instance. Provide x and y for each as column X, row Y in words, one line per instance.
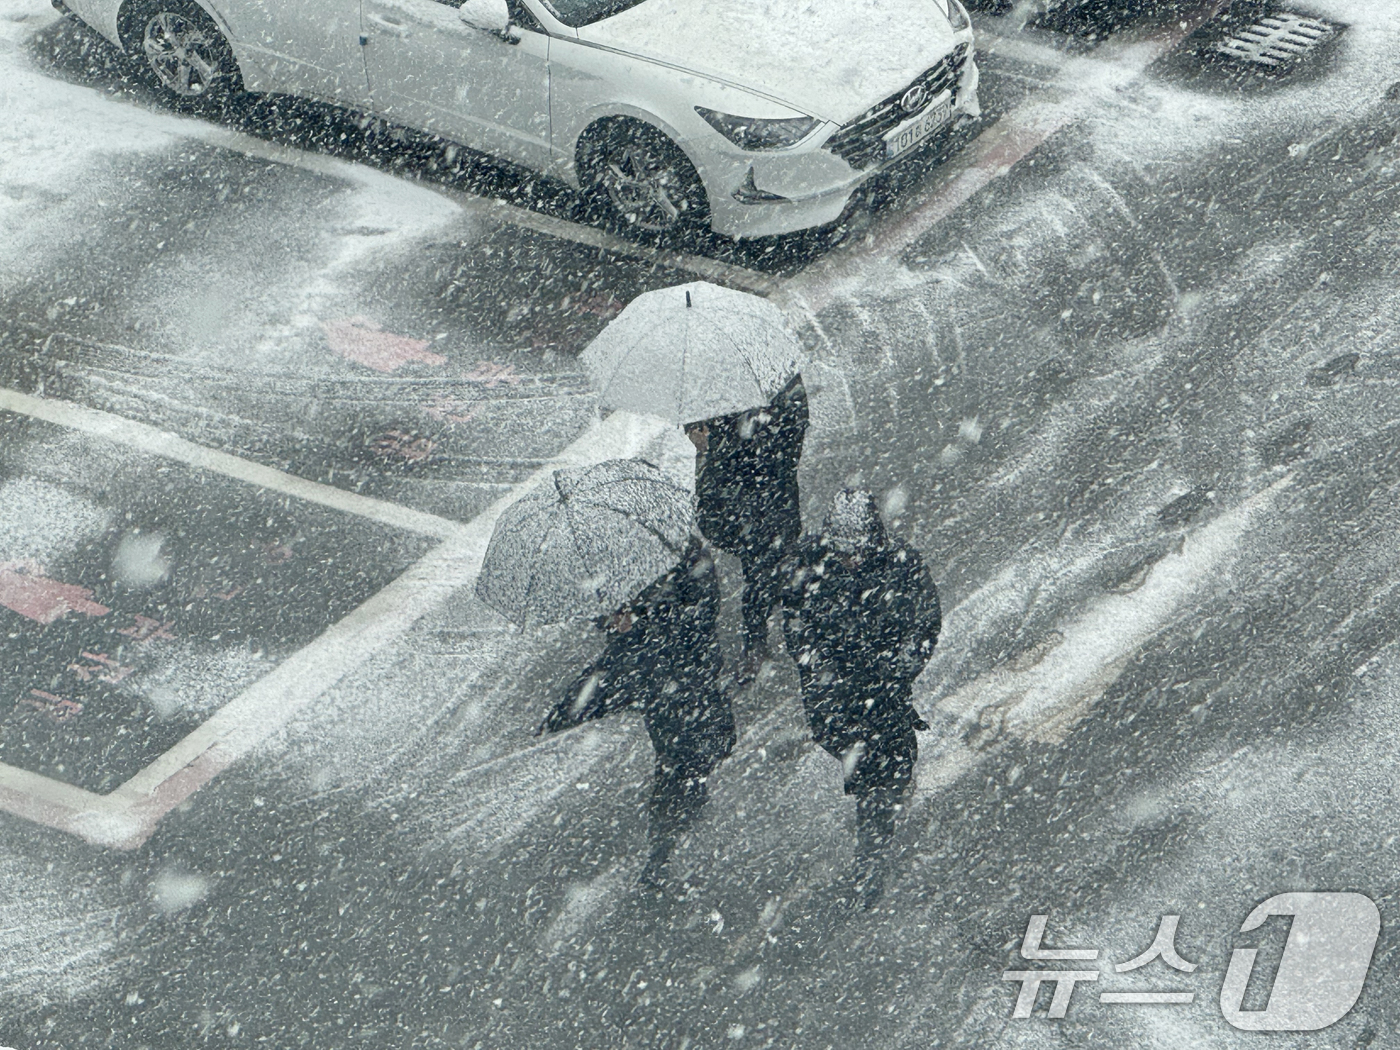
column 497, row 210
column 162, row 443
column 1042, row 702
column 710, row 269
column 126, row 818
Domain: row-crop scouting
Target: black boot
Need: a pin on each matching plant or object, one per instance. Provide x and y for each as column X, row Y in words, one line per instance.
column 674, row 803
column 874, row 833
column 655, row 873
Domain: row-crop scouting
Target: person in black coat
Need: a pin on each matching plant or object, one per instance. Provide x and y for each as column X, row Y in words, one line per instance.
column 662, row 656
column 861, row 618
column 747, row 499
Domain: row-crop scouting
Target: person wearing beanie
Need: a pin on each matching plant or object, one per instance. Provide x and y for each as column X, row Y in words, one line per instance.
column 861, row 618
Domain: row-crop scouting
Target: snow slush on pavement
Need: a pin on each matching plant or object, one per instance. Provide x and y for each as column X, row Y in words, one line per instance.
column 624, row 524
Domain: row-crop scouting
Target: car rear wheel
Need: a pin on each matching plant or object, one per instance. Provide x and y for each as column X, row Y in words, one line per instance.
column 640, row 180
column 188, row 59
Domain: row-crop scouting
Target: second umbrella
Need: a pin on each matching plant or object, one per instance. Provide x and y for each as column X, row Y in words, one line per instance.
column 585, row 543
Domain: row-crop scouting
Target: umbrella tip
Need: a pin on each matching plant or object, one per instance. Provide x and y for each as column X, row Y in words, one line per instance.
column 687, row 298
column 563, row 484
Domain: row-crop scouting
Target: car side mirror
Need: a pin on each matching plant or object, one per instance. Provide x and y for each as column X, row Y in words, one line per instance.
column 491, row 16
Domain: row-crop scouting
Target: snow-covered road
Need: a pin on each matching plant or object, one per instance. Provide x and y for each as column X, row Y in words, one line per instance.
column 1124, row 372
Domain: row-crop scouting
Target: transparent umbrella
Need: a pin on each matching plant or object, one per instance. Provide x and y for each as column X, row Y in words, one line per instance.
column 585, row 544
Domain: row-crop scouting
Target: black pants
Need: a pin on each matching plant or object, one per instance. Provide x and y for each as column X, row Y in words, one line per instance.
column 877, row 744
column 881, row 771
column 762, row 560
column 686, row 754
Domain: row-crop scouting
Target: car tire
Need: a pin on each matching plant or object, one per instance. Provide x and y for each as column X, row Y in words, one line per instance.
column 639, row 182
column 186, row 57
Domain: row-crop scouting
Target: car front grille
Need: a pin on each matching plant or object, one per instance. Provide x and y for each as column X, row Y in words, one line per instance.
column 861, row 142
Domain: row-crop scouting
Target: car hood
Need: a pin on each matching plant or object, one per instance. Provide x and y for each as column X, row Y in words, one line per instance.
column 832, row 59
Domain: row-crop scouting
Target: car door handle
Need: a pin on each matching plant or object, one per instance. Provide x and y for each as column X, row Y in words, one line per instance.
column 389, row 25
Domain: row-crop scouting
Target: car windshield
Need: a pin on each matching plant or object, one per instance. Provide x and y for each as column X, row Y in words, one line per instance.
column 577, row 13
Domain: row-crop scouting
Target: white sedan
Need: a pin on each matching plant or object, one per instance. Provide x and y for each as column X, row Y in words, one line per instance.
column 753, row 117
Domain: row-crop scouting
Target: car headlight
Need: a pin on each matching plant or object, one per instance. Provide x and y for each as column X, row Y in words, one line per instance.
column 957, row 16
column 754, row 133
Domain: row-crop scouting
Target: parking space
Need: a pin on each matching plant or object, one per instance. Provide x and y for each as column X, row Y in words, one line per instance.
column 382, row 337
column 138, row 595
column 1022, row 60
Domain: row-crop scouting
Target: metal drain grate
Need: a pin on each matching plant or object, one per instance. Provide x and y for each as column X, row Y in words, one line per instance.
column 1276, row 40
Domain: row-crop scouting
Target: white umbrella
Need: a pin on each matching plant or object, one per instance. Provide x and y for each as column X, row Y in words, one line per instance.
column 585, row 543
column 693, row 352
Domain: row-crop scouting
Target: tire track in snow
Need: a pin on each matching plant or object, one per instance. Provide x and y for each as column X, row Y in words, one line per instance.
column 1042, row 702
column 58, row 938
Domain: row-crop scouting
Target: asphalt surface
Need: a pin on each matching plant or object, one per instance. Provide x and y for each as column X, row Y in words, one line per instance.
column 1134, row 400
column 190, row 583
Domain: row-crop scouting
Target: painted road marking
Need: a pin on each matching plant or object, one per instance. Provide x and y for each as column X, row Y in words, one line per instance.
column 58, row 708
column 162, row 443
column 168, row 541
column 362, row 341
column 38, row 598
column 490, row 209
column 1042, row 698
column 126, row 817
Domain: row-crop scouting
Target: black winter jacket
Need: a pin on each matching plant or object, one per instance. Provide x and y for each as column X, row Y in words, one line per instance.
column 746, row 480
column 860, row 633
column 668, row 664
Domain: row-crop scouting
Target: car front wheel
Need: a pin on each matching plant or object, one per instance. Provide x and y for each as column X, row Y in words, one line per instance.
column 189, row 60
column 641, row 180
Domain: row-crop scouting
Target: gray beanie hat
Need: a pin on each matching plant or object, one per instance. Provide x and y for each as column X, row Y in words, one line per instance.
column 852, row 523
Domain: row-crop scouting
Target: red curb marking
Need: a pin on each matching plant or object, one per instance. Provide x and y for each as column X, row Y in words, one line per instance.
column 361, row 340
column 115, row 671
column 41, row 599
column 59, row 708
column 149, row 630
